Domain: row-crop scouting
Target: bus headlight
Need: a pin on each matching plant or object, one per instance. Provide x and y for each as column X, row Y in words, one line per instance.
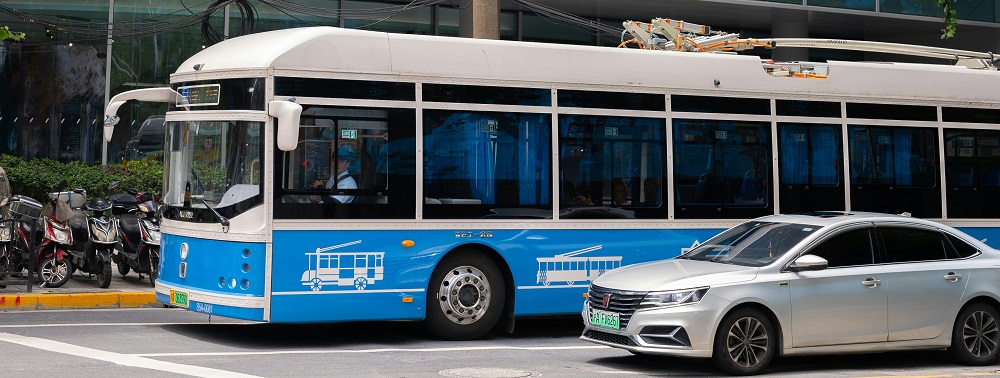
column 657, row 299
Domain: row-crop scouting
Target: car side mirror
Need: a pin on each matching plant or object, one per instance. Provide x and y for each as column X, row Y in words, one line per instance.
column 808, row 263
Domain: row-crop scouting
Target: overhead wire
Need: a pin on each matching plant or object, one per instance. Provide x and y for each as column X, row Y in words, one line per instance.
column 577, row 22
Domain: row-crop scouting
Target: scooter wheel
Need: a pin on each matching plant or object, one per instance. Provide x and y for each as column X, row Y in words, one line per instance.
column 154, row 271
column 104, row 276
column 123, row 267
column 55, row 273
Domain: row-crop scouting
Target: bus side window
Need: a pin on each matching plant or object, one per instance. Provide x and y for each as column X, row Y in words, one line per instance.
column 611, row 167
column 486, row 165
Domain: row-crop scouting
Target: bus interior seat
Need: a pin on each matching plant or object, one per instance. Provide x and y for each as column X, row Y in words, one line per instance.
column 750, row 189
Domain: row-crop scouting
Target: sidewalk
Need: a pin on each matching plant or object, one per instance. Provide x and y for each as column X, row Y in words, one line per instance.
column 80, row 292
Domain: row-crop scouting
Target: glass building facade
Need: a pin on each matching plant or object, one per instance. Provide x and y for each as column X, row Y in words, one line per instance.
column 56, row 82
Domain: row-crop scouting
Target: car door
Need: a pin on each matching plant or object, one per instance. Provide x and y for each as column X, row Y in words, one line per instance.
column 845, row 303
column 925, row 285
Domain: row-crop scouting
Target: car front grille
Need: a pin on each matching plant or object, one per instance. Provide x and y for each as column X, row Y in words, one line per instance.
column 608, row 337
column 620, row 301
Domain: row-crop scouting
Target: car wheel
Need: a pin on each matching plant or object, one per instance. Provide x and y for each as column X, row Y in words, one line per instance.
column 104, row 276
column 745, row 342
column 975, row 340
column 465, row 297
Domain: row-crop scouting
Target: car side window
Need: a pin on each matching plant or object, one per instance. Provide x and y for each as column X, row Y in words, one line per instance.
column 904, row 244
column 960, row 249
column 848, row 248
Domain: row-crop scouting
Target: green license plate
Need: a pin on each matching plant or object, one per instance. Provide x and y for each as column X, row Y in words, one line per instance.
column 179, row 298
column 604, row 318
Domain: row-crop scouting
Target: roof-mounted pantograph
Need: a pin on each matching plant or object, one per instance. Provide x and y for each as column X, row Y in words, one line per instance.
column 667, row 34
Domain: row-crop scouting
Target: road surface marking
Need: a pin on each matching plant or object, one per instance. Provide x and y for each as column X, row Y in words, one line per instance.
column 118, row 358
column 377, row 350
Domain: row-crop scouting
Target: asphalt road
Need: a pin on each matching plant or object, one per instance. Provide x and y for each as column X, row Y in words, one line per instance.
column 165, row 342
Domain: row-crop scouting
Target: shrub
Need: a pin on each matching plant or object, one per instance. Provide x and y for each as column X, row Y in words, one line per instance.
column 38, row 177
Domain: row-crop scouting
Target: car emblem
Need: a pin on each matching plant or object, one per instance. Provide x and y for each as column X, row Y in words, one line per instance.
column 607, row 300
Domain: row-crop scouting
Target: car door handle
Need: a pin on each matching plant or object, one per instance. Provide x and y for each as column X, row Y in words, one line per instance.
column 871, row 282
column 952, row 277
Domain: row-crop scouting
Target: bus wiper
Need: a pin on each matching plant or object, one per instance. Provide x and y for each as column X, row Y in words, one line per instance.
column 223, row 220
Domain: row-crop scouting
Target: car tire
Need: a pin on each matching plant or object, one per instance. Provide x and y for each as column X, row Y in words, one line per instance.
column 975, row 339
column 745, row 342
column 465, row 297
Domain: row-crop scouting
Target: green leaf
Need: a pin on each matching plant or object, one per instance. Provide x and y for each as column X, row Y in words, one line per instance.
column 950, row 18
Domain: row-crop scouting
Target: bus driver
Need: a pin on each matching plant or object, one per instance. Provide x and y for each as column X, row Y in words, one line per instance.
column 343, row 159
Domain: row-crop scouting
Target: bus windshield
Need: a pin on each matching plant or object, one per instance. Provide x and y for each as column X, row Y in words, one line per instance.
column 212, row 163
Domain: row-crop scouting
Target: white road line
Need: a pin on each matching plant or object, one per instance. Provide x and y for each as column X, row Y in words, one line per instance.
column 378, row 350
column 118, row 358
column 227, row 322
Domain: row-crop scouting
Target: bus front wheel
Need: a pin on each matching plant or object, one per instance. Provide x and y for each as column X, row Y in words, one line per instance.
column 465, row 296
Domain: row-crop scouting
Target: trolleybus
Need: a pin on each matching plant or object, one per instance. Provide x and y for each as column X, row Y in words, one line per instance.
column 324, row 174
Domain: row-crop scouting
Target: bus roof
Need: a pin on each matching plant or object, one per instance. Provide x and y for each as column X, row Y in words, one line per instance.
column 330, row 49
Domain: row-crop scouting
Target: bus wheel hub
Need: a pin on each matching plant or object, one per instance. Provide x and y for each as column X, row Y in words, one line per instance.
column 464, row 295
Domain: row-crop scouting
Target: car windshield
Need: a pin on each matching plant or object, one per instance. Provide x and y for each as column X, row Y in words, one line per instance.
column 751, row 243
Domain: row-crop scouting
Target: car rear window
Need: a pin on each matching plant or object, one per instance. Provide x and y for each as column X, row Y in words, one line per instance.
column 912, row 244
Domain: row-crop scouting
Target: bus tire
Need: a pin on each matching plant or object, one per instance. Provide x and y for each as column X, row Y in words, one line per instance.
column 465, row 297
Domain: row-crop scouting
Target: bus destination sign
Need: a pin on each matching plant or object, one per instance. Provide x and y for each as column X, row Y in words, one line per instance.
column 199, row 95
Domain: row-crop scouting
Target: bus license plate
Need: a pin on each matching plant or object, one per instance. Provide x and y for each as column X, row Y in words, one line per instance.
column 604, row 318
column 179, row 298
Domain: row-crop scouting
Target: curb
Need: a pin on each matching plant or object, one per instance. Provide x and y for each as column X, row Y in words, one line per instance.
column 77, row 300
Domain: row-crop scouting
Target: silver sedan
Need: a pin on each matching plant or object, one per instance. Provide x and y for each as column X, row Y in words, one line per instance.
column 820, row 283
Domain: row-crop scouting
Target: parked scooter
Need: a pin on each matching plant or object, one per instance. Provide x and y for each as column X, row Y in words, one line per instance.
column 53, row 251
column 18, row 217
column 95, row 234
column 139, row 232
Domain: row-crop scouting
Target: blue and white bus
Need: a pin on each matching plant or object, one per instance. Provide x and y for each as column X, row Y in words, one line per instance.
column 488, row 180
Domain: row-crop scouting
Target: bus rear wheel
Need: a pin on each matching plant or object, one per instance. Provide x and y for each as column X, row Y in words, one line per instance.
column 465, row 297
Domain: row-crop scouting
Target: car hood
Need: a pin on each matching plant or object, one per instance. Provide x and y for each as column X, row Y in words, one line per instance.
column 674, row 274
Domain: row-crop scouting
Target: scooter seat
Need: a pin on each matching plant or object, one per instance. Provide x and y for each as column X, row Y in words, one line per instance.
column 130, row 224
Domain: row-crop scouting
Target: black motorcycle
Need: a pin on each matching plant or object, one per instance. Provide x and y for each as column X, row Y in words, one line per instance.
column 95, row 235
column 139, row 233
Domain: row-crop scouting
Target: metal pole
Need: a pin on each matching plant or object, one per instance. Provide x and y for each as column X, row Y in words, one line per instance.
column 107, row 80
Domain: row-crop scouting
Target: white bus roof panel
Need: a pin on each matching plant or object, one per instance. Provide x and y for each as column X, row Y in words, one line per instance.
column 355, row 51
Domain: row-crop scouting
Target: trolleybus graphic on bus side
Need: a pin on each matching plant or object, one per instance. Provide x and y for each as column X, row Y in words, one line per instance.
column 356, row 269
column 570, row 268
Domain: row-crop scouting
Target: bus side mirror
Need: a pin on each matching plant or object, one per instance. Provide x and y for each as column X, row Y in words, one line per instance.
column 159, row 94
column 287, row 113
column 111, row 119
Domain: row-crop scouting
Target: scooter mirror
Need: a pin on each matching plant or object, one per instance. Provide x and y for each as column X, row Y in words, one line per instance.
column 114, row 185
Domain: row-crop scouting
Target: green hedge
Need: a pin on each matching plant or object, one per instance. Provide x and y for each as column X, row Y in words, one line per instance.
column 38, row 177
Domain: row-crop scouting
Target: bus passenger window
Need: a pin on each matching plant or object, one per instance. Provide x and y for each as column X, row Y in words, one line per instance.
column 351, row 163
column 894, row 170
column 972, row 172
column 810, row 170
column 722, row 169
column 486, row 165
column 611, row 167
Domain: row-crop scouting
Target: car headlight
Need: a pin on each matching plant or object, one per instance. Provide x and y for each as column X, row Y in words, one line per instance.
column 658, row 299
